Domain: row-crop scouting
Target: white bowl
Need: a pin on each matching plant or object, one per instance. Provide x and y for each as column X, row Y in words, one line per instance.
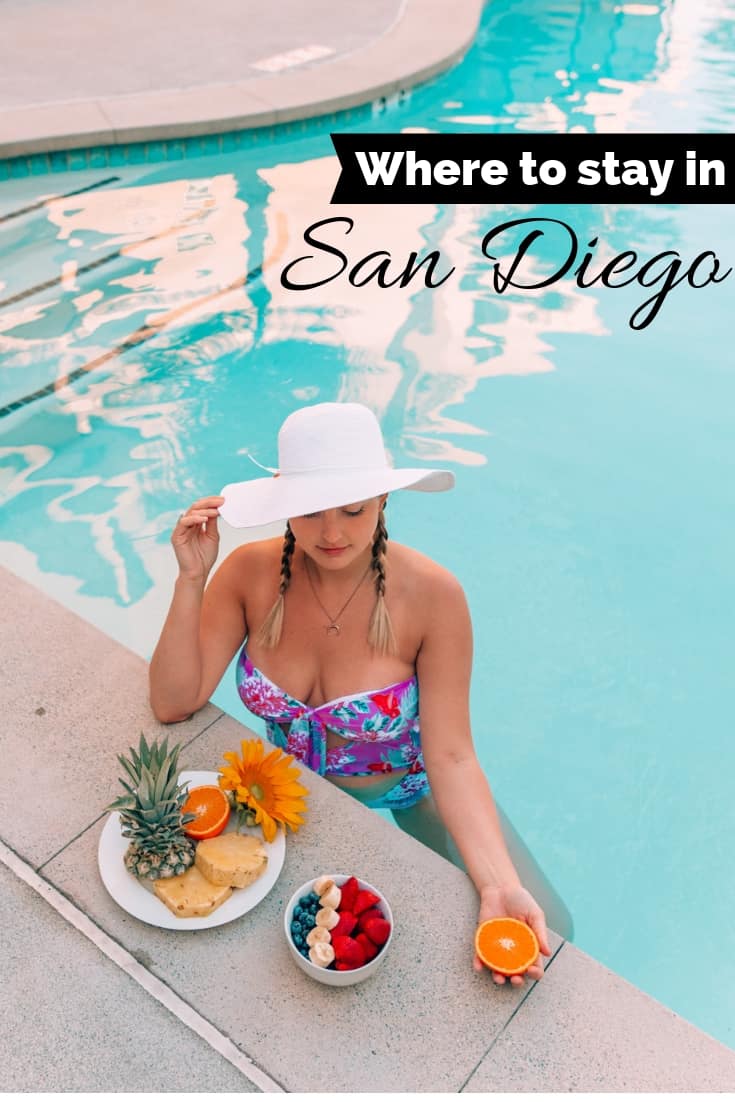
column 329, row 975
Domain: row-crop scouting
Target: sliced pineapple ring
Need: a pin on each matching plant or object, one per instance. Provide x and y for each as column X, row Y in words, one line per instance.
column 233, row 859
column 191, row 895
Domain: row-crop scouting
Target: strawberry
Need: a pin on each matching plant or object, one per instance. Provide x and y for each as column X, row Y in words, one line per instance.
column 371, row 912
column 348, row 951
column 364, row 900
column 346, row 924
column 349, row 890
column 377, row 929
column 343, row 967
column 369, row 947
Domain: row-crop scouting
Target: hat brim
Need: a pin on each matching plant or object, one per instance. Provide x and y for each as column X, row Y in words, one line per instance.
column 261, row 501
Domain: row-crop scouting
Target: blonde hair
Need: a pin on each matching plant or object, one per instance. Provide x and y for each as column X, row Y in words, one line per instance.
column 381, row 636
column 270, row 631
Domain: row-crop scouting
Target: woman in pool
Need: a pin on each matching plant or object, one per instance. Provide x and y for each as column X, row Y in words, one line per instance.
column 344, row 631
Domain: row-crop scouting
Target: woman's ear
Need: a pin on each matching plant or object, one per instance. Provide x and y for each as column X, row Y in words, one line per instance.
column 383, row 501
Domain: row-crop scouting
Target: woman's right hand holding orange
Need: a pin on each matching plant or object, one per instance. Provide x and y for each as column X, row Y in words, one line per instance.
column 195, row 539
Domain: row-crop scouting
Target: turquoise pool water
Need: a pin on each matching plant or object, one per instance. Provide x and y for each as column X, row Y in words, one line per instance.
column 592, row 523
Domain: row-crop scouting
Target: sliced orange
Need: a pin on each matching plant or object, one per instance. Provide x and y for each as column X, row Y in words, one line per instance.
column 212, row 809
column 506, row 945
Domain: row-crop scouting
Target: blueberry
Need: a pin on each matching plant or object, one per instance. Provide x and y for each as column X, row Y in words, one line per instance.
column 304, row 900
column 314, row 907
column 297, row 912
column 296, row 927
column 304, row 952
column 312, row 897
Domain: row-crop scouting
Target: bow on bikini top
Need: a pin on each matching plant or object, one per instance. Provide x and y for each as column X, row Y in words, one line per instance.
column 383, row 725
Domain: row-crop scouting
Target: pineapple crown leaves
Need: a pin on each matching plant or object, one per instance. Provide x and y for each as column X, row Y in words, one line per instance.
column 148, row 757
column 154, row 794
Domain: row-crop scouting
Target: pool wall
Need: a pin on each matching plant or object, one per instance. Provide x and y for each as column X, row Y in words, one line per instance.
column 426, row 1021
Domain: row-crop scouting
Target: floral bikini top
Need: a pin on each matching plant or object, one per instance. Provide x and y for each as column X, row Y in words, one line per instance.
column 383, row 725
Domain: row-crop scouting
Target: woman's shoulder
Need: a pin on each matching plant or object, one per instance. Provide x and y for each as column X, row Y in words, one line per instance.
column 426, row 577
column 440, row 620
column 439, row 609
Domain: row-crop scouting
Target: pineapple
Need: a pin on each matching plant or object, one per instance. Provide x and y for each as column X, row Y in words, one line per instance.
column 150, row 813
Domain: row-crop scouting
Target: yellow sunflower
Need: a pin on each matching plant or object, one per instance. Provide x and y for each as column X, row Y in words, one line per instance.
column 265, row 785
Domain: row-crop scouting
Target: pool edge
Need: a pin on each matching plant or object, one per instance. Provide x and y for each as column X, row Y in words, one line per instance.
column 425, row 40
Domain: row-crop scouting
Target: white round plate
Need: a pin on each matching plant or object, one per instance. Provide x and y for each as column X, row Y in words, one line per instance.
column 143, row 904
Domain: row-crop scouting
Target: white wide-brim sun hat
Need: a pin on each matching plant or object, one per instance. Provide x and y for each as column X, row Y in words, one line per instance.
column 330, row 454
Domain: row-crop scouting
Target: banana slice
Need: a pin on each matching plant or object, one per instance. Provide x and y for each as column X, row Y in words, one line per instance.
column 321, row 954
column 327, row 917
column 317, row 934
column 331, row 898
column 323, row 884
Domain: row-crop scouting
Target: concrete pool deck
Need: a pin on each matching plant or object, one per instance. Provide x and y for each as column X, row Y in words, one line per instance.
column 130, row 1007
column 134, row 72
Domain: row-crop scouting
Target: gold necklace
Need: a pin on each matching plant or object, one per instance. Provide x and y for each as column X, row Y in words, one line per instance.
column 333, row 628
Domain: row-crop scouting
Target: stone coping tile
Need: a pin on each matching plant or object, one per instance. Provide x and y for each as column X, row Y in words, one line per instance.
column 427, row 38
column 341, row 86
column 76, row 1022
column 411, row 1017
column 51, row 126
column 189, row 112
column 66, row 718
column 587, row 1029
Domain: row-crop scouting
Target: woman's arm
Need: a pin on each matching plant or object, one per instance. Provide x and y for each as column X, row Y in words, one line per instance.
column 203, row 629
column 460, row 788
column 204, row 626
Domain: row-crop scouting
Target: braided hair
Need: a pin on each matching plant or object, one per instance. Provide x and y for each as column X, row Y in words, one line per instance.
column 380, row 633
column 269, row 633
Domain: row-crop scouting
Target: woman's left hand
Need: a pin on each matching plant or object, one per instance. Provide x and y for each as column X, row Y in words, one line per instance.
column 515, row 902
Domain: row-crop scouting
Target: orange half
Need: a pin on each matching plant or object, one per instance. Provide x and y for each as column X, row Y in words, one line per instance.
column 506, row 945
column 212, row 809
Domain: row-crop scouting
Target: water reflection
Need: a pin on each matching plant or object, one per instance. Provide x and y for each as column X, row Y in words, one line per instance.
column 176, row 348
column 542, row 70
column 411, row 350
column 178, row 256
column 599, row 66
column 129, row 262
